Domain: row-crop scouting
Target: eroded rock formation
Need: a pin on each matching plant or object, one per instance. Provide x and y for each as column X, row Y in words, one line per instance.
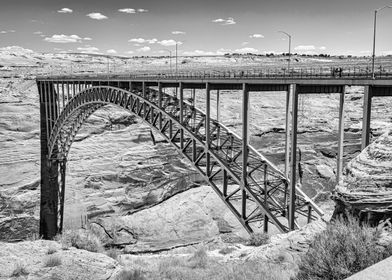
column 366, row 190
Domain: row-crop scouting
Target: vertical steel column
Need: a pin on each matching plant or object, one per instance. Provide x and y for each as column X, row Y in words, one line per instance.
column 63, row 93
column 287, row 140
column 339, row 165
column 265, row 227
column 293, row 157
column 194, row 106
column 207, row 128
column 245, row 131
column 181, row 115
column 367, row 111
column 144, row 94
column 218, row 116
column 160, row 96
column 63, row 165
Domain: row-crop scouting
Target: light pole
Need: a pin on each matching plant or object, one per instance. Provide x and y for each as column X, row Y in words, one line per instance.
column 170, row 59
column 176, row 58
column 374, row 37
column 288, row 35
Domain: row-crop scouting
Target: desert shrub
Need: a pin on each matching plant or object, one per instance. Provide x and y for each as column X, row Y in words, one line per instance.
column 199, row 259
column 19, row 270
column 130, row 275
column 81, row 239
column 344, row 248
column 258, row 239
column 112, row 253
column 226, row 250
column 178, row 269
column 51, row 251
column 52, row 261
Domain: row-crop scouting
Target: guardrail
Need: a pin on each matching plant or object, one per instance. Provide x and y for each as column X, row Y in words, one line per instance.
column 267, row 73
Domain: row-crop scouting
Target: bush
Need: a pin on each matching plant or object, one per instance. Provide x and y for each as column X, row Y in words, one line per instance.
column 344, row 248
column 226, row 250
column 130, row 275
column 51, row 251
column 199, row 258
column 258, row 239
column 19, row 270
column 52, row 261
column 81, row 239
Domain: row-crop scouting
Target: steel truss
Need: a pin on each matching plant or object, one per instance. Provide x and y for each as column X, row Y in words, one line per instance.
column 255, row 191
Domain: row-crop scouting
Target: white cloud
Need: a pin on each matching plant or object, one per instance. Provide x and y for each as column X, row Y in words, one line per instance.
column 144, row 49
column 305, row 48
column 143, row 41
column 97, row 16
column 130, row 52
column 142, row 10
column 88, row 50
column 178, row 32
column 246, row 50
column 168, row 43
column 228, row 21
column 322, row 48
column 37, row 32
column 65, row 11
column 87, row 39
column 202, row 53
column 127, row 11
column 111, row 51
column 256, row 36
column 386, row 52
column 244, row 43
column 7, row 31
column 63, row 39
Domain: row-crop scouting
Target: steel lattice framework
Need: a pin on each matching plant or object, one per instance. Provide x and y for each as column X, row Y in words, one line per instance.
column 255, row 191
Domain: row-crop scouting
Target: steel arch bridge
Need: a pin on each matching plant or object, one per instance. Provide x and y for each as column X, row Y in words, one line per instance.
column 256, row 192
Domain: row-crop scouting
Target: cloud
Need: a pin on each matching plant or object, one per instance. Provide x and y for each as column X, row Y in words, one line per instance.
column 65, row 11
column 246, row 50
column 63, row 39
column 7, row 31
column 130, row 52
column 97, row 16
column 87, row 39
column 143, row 41
column 305, row 48
column 144, row 49
column 111, row 51
column 127, row 11
column 37, row 32
column 256, row 36
column 244, row 43
column 204, row 53
column 386, row 52
column 178, row 32
column 88, row 49
column 142, row 10
column 168, row 43
column 228, row 21
column 322, row 48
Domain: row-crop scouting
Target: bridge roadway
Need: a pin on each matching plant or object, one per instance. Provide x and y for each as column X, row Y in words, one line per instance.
column 256, row 192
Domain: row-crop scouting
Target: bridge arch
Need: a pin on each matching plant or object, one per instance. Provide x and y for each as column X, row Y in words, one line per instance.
column 257, row 198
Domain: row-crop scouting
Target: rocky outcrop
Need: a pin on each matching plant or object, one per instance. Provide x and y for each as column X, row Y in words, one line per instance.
column 72, row 263
column 366, row 190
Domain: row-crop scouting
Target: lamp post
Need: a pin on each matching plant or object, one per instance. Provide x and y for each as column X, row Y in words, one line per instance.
column 170, row 59
column 288, row 35
column 374, row 37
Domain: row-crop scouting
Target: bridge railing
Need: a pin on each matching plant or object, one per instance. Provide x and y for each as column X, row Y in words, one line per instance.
column 325, row 72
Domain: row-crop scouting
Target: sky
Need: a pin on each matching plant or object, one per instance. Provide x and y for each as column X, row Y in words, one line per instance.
column 200, row 27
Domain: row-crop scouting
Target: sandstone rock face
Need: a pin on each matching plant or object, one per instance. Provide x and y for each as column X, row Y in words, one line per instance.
column 75, row 264
column 366, row 190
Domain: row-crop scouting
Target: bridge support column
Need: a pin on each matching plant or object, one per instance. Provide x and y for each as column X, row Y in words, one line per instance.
column 367, row 109
column 339, row 168
column 207, row 128
column 287, row 141
column 49, row 168
column 160, row 96
column 293, row 171
column 245, row 151
column 181, row 115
